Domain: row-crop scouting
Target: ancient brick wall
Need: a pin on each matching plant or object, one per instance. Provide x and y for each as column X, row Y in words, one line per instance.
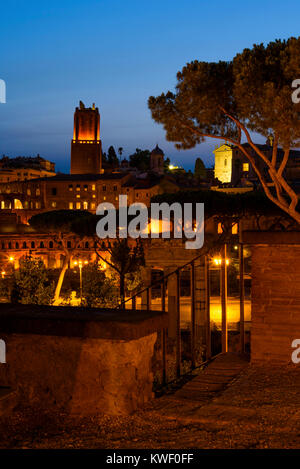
column 275, row 295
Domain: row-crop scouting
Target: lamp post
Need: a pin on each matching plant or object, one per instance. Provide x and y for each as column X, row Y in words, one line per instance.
column 80, row 265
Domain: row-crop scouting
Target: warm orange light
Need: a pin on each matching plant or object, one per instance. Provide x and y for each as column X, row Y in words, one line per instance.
column 11, row 259
column 3, row 273
column 218, row 261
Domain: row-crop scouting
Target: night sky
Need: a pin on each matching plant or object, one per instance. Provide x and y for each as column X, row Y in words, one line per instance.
column 116, row 53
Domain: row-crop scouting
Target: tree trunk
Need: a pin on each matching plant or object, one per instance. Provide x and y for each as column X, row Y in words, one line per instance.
column 61, row 279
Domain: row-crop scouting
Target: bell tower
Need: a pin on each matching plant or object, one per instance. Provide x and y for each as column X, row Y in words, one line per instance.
column 86, row 156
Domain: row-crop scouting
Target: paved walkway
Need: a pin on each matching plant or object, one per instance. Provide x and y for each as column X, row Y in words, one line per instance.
column 185, row 403
column 228, row 405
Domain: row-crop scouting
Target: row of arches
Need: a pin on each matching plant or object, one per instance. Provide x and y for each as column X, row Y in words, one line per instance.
column 38, row 244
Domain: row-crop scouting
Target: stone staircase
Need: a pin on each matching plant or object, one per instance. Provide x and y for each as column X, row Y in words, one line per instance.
column 186, row 403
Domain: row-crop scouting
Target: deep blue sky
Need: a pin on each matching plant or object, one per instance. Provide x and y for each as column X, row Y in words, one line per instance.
column 115, row 53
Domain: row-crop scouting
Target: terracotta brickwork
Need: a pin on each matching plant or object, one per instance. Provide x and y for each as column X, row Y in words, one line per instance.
column 275, row 295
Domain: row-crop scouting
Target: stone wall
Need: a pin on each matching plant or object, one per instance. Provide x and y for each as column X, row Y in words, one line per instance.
column 275, row 294
column 83, row 363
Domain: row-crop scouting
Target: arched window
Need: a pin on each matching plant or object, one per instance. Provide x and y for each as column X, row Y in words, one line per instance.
column 42, row 244
column 51, row 244
column 86, row 245
column 32, row 244
column 24, row 245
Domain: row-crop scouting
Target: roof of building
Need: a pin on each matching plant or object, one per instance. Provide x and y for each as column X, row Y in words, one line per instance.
column 83, row 177
column 157, row 151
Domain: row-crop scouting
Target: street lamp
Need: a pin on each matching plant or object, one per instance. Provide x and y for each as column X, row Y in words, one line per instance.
column 80, row 265
column 219, row 260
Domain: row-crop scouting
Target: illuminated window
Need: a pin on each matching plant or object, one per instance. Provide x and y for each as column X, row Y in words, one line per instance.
column 220, row 230
column 78, row 205
column 38, row 192
column 28, row 192
column 245, row 167
column 78, row 187
column 104, row 197
column 234, row 229
column 85, row 187
column 93, row 187
column 93, row 206
column 94, row 196
column 78, row 196
column 53, row 204
column 70, row 187
column 71, row 205
column 85, row 205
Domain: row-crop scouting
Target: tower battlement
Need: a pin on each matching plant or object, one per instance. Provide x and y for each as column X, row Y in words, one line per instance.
column 86, row 155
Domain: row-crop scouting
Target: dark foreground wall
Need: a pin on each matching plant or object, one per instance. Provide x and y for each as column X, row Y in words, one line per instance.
column 275, row 294
column 83, row 362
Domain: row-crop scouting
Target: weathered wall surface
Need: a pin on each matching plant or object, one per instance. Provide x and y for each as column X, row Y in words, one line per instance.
column 80, row 375
column 85, row 363
column 275, row 295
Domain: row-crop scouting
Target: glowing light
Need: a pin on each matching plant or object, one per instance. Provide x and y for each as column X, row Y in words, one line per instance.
column 218, row 261
column 3, row 273
column 11, row 259
column 171, row 167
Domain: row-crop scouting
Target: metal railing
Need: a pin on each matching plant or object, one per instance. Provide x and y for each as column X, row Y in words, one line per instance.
column 146, row 292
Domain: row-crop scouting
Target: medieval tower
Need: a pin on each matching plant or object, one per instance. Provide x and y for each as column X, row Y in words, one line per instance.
column 86, row 157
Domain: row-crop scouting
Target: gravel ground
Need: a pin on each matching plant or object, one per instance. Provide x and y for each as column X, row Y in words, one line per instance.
column 259, row 409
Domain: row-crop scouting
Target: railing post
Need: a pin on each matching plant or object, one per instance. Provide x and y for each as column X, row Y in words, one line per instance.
column 242, row 299
column 164, row 336
column 224, row 300
column 148, row 298
column 178, row 334
column 193, row 314
column 133, row 302
column 207, row 308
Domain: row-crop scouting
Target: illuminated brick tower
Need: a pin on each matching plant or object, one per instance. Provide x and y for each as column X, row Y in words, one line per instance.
column 86, row 157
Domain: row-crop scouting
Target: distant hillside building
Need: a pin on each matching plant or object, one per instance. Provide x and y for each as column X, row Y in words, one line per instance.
column 157, row 160
column 233, row 167
column 23, row 168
